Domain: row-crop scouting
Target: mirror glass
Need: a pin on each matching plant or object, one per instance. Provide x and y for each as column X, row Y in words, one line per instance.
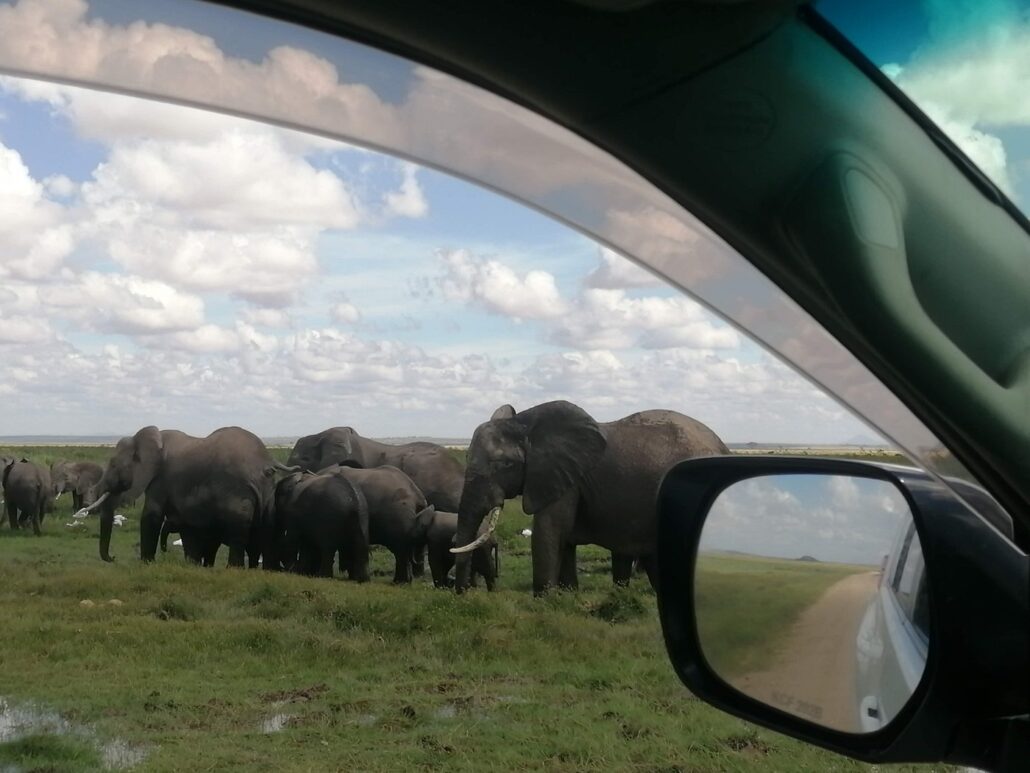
column 810, row 597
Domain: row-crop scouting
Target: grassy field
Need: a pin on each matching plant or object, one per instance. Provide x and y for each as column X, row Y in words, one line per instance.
column 170, row 667
column 746, row 605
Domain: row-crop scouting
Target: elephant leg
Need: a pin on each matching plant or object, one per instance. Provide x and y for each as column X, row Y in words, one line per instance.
column 482, row 564
column 237, row 553
column 650, row 565
column 546, row 559
column 325, row 563
column 150, row 526
column 357, row 564
column 210, row 543
column 77, row 501
column 191, row 547
column 567, row 577
column 439, row 567
column 12, row 515
column 418, row 561
column 552, row 527
column 402, row 566
column 622, row 568
column 37, row 518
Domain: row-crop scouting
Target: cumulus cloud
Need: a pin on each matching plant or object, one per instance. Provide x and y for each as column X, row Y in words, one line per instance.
column 408, row 200
column 611, row 319
column 116, row 303
column 616, row 272
column 59, row 38
column 34, row 235
column 494, row 286
column 964, row 78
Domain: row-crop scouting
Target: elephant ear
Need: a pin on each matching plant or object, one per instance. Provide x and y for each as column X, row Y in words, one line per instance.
column 563, row 444
column 504, row 412
column 147, row 456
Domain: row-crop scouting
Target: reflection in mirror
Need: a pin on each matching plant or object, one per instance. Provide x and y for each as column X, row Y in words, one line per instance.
column 810, row 597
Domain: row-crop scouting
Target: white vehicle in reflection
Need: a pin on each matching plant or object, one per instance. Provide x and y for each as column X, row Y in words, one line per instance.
column 892, row 639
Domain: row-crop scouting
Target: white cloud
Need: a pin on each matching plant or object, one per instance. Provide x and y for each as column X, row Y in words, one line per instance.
column 273, row 318
column 344, row 313
column 966, row 82
column 24, row 330
column 617, row 272
column 408, row 200
column 611, row 319
column 125, row 304
column 496, row 287
column 58, row 38
column 34, row 239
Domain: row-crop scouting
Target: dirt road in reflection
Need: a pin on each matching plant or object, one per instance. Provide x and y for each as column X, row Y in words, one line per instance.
column 814, row 676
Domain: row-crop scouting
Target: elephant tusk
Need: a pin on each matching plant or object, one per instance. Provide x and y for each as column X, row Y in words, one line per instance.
column 59, row 495
column 90, row 508
column 495, row 514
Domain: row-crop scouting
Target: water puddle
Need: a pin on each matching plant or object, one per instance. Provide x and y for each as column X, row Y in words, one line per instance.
column 20, row 720
column 276, row 722
column 446, row 711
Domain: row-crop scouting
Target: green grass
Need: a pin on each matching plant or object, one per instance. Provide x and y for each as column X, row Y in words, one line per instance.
column 195, row 664
column 746, row 605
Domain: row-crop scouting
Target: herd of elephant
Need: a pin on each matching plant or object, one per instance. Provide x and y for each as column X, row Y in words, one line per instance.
column 583, row 481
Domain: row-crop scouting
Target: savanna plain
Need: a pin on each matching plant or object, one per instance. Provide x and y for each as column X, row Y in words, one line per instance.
column 170, row 667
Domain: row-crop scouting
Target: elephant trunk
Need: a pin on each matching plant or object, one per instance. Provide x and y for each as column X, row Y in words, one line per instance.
column 106, row 525
column 479, row 498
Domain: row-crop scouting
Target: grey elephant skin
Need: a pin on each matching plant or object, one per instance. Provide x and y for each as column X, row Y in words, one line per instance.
column 394, row 504
column 214, row 490
column 435, row 471
column 28, row 493
column 319, row 517
column 583, row 481
column 77, row 479
column 436, row 529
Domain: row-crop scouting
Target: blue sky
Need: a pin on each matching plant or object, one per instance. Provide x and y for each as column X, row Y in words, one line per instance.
column 164, row 265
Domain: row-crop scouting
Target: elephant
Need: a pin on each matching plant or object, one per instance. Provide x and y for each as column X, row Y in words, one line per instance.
column 394, row 502
column 79, row 478
column 214, row 490
column 433, row 468
column 584, row 482
column 28, row 493
column 316, row 518
column 437, row 529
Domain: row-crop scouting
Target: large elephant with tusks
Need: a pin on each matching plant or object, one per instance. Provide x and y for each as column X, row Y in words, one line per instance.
column 584, row 482
column 217, row 490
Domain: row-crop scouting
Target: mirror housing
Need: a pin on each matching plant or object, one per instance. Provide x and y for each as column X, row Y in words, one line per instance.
column 972, row 704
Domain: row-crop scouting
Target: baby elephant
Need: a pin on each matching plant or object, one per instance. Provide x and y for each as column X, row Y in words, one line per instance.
column 436, row 530
column 79, row 478
column 28, row 493
column 318, row 517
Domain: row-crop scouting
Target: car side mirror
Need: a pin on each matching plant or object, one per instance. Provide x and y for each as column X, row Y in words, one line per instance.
column 832, row 600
